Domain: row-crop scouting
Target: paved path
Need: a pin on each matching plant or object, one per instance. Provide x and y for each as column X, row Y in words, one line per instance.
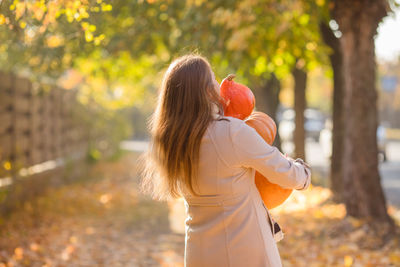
column 135, row 145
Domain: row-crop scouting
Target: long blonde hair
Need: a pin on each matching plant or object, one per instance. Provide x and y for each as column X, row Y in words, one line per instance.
column 186, row 106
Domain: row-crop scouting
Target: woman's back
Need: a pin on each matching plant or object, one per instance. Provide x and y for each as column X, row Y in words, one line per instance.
column 214, row 162
column 228, row 225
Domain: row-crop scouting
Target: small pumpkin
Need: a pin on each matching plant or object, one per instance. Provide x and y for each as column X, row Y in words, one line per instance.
column 272, row 194
column 263, row 124
column 239, row 100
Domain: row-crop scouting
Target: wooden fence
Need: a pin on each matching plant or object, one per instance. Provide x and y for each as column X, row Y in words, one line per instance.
column 39, row 123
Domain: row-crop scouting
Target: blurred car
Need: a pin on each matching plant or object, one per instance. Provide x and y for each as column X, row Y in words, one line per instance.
column 382, row 142
column 313, row 125
column 325, row 141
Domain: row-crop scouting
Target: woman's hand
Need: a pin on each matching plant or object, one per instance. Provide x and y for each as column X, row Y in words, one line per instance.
column 302, row 162
column 307, row 170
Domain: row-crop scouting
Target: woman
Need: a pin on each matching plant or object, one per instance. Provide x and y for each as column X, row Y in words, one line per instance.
column 210, row 160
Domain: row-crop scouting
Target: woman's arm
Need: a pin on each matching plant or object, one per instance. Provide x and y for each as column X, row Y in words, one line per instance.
column 252, row 151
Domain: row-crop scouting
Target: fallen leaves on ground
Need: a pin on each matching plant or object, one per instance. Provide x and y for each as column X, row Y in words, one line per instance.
column 104, row 221
column 318, row 233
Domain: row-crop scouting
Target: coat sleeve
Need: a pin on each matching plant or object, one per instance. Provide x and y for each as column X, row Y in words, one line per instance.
column 252, row 151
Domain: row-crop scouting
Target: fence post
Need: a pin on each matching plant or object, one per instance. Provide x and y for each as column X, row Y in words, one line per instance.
column 37, row 126
column 6, row 118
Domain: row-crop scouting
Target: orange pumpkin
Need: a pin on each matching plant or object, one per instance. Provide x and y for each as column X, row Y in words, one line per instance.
column 239, row 100
column 263, row 124
column 272, row 194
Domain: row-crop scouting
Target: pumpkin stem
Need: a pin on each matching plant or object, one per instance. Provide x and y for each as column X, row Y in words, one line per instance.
column 230, row 77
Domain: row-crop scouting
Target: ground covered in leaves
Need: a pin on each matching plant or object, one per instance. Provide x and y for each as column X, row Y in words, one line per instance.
column 104, row 221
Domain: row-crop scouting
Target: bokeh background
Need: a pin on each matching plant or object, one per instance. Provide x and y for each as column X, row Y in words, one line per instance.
column 79, row 80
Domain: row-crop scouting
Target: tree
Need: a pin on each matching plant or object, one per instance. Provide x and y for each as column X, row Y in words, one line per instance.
column 268, row 93
column 266, row 40
column 43, row 37
column 300, row 83
column 358, row 21
column 336, row 172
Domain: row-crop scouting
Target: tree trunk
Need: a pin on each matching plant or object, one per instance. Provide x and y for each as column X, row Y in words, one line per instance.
column 300, row 81
column 358, row 21
column 268, row 101
column 336, row 179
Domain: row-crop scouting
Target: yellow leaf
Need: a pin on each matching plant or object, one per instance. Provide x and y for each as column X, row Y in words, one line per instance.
column 73, row 239
column 88, row 36
column 83, row 13
column 304, row 19
column 70, row 14
column 318, row 214
column 311, row 46
column 18, row 253
column 105, row 7
column 55, row 41
column 348, row 261
column 95, row 9
column 98, row 39
column 7, row 165
column 395, row 258
column 2, row 19
column 22, row 24
column 105, row 198
column 19, row 10
column 34, row 246
column 85, row 25
column 77, row 3
column 38, row 11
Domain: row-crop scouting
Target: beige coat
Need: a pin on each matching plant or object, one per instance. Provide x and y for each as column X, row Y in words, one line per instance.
column 228, row 225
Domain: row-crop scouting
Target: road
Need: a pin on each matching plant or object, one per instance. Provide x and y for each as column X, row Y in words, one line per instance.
column 390, row 170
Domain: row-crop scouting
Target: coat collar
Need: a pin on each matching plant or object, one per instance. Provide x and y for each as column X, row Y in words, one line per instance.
column 215, row 112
